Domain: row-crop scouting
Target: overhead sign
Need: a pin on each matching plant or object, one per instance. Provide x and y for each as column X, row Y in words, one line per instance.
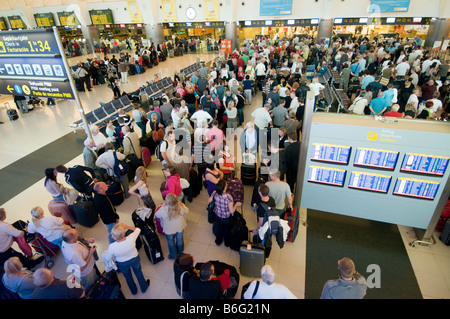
column 68, row 19
column 101, row 16
column 16, row 22
column 378, row 6
column 44, row 20
column 31, row 65
column 29, row 43
column 275, row 7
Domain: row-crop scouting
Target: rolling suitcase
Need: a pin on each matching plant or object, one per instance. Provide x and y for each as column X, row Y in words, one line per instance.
column 146, row 156
column 150, row 239
column 248, row 174
column 12, row 113
column 195, row 182
column 61, row 209
column 238, row 231
column 291, row 216
column 236, row 189
column 85, row 213
column 252, row 258
column 248, row 169
column 115, row 193
column 171, row 53
column 106, row 287
column 445, row 235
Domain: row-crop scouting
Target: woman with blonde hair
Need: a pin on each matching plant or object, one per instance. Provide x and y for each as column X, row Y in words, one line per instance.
column 51, row 227
column 141, row 186
column 17, row 280
column 126, row 256
column 172, row 215
column 231, row 112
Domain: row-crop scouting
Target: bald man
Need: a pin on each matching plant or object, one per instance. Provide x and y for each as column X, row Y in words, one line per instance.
column 79, row 254
column 49, row 287
column 350, row 285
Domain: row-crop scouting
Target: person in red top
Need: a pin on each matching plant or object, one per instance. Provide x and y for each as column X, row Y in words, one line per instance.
column 172, row 184
column 226, row 162
column 394, row 111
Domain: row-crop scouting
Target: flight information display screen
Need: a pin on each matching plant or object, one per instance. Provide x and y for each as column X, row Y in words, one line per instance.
column 426, row 164
column 370, row 157
column 371, row 182
column 416, row 188
column 330, row 153
column 326, row 175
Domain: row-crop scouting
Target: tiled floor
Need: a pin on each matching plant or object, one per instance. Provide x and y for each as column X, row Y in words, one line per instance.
column 45, row 124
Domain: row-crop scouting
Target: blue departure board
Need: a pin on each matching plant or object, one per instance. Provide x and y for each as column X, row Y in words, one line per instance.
column 371, row 182
column 326, row 175
column 426, row 164
column 330, row 153
column 416, row 188
column 375, row 158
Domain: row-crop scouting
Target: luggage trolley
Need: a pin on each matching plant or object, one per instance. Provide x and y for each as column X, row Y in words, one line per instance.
column 39, row 244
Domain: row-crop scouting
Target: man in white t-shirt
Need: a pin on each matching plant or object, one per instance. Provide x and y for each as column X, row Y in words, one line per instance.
column 267, row 288
column 80, row 255
column 262, row 118
column 201, row 116
column 402, row 68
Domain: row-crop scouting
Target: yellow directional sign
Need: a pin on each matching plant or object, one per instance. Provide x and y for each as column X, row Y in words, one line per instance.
column 10, row 89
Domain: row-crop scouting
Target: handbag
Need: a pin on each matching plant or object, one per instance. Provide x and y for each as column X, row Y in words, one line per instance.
column 158, row 134
column 70, row 196
column 211, row 213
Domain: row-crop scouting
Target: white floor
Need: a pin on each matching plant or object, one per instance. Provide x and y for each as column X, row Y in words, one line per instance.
column 46, row 124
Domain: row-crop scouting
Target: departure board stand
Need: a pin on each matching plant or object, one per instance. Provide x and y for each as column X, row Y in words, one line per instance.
column 377, row 185
column 304, row 142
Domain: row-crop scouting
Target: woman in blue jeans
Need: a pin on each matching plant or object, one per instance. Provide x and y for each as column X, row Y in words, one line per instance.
column 172, row 216
column 127, row 257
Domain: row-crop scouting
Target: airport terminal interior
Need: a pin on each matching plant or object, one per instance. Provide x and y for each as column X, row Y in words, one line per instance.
column 42, row 138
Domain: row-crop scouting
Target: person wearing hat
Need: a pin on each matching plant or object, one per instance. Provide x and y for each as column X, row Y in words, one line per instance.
column 349, row 285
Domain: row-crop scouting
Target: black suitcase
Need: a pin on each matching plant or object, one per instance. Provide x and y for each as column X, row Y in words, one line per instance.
column 150, row 239
column 85, row 213
column 445, row 235
column 115, row 193
column 106, row 287
column 248, row 174
column 79, row 85
column 238, row 231
column 195, row 182
column 12, row 113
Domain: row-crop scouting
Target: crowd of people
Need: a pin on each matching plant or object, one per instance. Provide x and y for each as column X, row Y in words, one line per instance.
column 194, row 131
column 392, row 77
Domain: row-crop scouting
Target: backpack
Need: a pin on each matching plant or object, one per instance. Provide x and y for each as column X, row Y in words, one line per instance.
column 158, row 151
column 273, row 217
column 120, row 167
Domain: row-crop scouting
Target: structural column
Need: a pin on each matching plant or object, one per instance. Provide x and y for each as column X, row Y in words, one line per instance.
column 437, row 31
column 92, row 37
column 232, row 33
column 325, row 30
column 155, row 33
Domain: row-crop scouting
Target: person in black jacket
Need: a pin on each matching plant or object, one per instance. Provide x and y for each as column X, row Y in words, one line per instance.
column 105, row 208
column 203, row 287
column 78, row 178
column 292, row 153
